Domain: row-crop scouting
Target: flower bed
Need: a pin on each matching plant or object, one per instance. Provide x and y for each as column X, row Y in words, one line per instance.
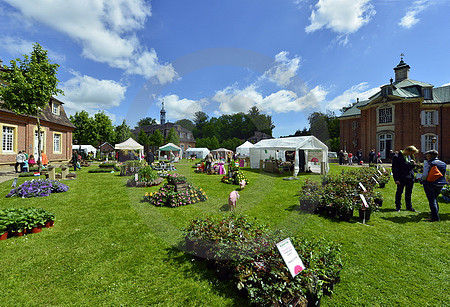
column 167, row 196
column 248, row 251
column 17, row 221
column 38, row 188
column 235, row 176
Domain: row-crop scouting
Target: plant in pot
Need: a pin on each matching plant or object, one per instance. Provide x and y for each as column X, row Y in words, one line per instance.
column 378, row 198
column 383, row 179
column 3, row 232
column 309, row 196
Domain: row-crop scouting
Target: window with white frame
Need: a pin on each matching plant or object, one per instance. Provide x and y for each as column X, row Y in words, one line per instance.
column 8, row 139
column 385, row 115
column 55, row 108
column 429, row 142
column 56, row 142
column 429, row 118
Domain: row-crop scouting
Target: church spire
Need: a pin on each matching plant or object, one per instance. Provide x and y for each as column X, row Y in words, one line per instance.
column 162, row 114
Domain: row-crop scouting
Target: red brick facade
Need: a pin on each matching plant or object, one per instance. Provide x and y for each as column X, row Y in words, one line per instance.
column 403, row 113
column 56, row 128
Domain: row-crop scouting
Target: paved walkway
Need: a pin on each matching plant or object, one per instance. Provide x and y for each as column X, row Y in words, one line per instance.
column 7, row 172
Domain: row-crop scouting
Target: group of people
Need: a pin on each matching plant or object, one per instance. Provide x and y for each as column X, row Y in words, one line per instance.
column 23, row 162
column 433, row 178
column 347, row 157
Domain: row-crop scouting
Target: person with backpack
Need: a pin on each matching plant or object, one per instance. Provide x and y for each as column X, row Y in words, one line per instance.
column 433, row 180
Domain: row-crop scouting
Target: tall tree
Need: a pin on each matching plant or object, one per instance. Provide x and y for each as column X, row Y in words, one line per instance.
column 122, row 132
column 85, row 132
column 103, row 127
column 30, row 84
column 157, row 139
column 186, row 123
column 146, row 121
column 173, row 137
column 200, row 119
column 262, row 122
column 143, row 138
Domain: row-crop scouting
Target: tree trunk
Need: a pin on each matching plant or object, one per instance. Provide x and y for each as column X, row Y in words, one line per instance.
column 38, row 121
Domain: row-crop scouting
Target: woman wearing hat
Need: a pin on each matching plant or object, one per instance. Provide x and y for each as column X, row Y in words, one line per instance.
column 433, row 184
column 402, row 170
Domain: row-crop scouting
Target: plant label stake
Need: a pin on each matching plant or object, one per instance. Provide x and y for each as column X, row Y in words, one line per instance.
column 14, row 183
column 375, row 180
column 365, row 206
column 379, row 172
column 290, row 257
column 362, row 187
column 136, row 177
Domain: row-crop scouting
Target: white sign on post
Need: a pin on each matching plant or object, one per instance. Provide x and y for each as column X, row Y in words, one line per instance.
column 384, row 170
column 380, row 172
column 136, row 177
column 290, row 257
column 362, row 187
column 365, row 204
column 375, row 180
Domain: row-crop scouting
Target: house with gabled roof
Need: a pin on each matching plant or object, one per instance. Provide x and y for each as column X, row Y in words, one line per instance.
column 19, row 133
column 404, row 112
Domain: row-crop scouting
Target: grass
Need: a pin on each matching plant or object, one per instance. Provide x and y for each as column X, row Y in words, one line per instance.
column 110, row 248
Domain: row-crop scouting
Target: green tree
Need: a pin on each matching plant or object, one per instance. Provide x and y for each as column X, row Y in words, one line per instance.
column 143, row 138
column 173, row 137
column 200, row 119
column 30, row 84
column 186, row 123
column 103, row 127
column 156, row 139
column 262, row 122
column 146, row 121
column 122, row 132
column 85, row 132
column 231, row 144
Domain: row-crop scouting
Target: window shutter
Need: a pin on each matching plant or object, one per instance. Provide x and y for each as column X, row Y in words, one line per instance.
column 436, row 117
column 422, row 118
column 436, row 146
column 422, row 142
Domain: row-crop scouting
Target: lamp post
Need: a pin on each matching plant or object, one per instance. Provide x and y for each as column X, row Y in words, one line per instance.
column 433, row 140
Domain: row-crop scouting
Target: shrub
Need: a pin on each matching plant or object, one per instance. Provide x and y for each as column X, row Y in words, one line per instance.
column 147, row 174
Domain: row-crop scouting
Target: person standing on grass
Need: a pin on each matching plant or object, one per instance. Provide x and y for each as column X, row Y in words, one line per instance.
column 350, row 158
column 74, row 160
column 359, row 155
column 208, row 160
column 433, row 188
column 403, row 173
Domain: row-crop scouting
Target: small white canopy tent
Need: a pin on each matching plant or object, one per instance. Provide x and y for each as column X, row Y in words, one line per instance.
column 85, row 148
column 169, row 147
column 220, row 153
column 244, row 149
column 199, row 152
column 131, row 144
column 310, row 145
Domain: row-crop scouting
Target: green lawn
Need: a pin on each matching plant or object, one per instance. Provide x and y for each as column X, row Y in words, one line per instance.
column 109, row 248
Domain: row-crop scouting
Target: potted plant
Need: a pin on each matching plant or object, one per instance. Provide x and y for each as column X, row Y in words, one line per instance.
column 383, row 179
column 3, row 232
column 378, row 198
column 309, row 196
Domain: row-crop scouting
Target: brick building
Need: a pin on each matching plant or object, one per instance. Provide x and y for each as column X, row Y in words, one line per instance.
column 404, row 112
column 19, row 133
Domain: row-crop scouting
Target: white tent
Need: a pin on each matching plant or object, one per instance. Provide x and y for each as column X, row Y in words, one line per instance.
column 199, row 152
column 131, row 144
column 244, row 149
column 85, row 148
column 169, row 147
column 220, row 153
column 309, row 145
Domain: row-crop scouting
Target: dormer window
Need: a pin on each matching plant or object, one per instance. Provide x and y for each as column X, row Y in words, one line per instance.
column 55, row 108
column 386, row 90
column 427, row 93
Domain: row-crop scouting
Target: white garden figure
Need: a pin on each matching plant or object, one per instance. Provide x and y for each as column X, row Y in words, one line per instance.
column 232, row 199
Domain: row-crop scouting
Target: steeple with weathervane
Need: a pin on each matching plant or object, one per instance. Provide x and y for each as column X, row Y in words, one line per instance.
column 162, row 115
column 401, row 70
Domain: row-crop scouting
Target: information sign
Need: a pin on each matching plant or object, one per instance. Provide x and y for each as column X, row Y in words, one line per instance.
column 290, row 257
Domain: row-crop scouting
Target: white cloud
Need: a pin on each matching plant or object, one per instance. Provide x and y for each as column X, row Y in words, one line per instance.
column 284, row 70
column 87, row 93
column 446, row 84
column 360, row 91
column 177, row 108
column 18, row 47
column 232, row 100
column 410, row 19
column 106, row 30
column 341, row 16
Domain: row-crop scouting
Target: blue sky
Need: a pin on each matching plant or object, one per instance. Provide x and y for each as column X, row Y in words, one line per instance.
column 287, row 57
